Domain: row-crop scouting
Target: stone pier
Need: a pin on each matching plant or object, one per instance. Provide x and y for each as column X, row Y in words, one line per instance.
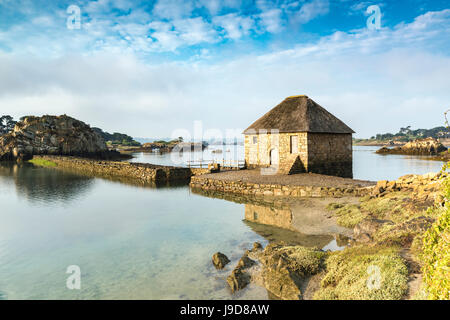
column 251, row 182
column 140, row 171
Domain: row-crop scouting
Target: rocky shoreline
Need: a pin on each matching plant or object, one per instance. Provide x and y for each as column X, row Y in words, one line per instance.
column 421, row 147
column 383, row 258
column 53, row 135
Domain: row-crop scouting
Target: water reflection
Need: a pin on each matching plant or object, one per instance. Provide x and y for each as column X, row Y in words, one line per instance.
column 295, row 221
column 134, row 182
column 62, row 185
column 130, row 242
column 45, row 185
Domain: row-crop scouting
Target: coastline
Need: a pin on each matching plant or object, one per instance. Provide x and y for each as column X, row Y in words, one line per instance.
column 389, row 220
column 389, row 242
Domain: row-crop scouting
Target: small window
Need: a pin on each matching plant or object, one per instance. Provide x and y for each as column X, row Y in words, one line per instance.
column 255, row 216
column 255, row 140
column 294, row 144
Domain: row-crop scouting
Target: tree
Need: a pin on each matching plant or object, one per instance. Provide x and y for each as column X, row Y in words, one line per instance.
column 7, row 124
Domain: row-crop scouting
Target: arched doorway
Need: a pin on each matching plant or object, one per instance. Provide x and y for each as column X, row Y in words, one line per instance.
column 274, row 157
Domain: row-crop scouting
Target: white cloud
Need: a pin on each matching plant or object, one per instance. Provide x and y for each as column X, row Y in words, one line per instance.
column 195, row 30
column 235, row 26
column 173, row 9
column 213, row 6
column 313, row 9
column 271, row 20
column 184, row 32
column 374, row 81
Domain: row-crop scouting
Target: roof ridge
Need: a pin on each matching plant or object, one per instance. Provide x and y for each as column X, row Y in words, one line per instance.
column 299, row 114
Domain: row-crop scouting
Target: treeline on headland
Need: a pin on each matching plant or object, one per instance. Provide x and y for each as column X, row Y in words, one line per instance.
column 404, row 135
column 7, row 124
column 117, row 138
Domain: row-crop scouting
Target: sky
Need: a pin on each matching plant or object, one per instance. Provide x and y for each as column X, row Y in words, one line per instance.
column 162, row 68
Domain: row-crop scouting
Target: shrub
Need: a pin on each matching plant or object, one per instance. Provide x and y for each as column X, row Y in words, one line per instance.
column 436, row 258
column 349, row 275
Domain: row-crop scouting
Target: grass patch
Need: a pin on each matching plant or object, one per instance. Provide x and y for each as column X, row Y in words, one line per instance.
column 348, row 215
column 304, row 260
column 43, row 163
column 389, row 207
column 364, row 273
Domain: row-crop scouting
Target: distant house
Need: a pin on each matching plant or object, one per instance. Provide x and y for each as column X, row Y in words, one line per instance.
column 298, row 135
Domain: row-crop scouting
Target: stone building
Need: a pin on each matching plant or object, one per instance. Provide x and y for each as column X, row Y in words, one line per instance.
column 298, row 135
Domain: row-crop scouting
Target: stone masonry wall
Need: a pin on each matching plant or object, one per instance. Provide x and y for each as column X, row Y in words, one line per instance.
column 322, row 153
column 275, row 190
column 141, row 171
column 330, row 154
column 258, row 154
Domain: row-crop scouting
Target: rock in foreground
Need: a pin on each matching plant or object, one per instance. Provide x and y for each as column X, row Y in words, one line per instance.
column 220, row 260
column 53, row 135
column 281, row 269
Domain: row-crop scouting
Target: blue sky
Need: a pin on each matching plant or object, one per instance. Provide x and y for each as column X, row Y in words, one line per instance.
column 150, row 68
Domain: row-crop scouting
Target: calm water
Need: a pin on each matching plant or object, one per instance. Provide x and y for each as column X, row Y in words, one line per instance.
column 130, row 242
column 141, row 243
column 367, row 165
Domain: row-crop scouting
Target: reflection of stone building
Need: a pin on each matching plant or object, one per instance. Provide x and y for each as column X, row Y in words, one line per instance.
column 297, row 136
column 279, row 217
column 299, row 222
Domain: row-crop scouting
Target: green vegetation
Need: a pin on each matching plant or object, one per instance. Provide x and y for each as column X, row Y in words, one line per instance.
column 117, row 138
column 436, row 252
column 7, row 124
column 436, row 258
column 406, row 134
column 364, row 273
column 170, row 142
column 306, row 261
column 43, row 163
column 418, row 223
column 348, row 215
column 397, row 207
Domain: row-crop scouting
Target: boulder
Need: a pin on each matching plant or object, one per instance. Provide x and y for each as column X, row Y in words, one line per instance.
column 220, row 260
column 380, row 188
column 364, row 230
column 238, row 279
column 54, row 135
column 285, row 269
column 257, row 246
column 245, row 262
